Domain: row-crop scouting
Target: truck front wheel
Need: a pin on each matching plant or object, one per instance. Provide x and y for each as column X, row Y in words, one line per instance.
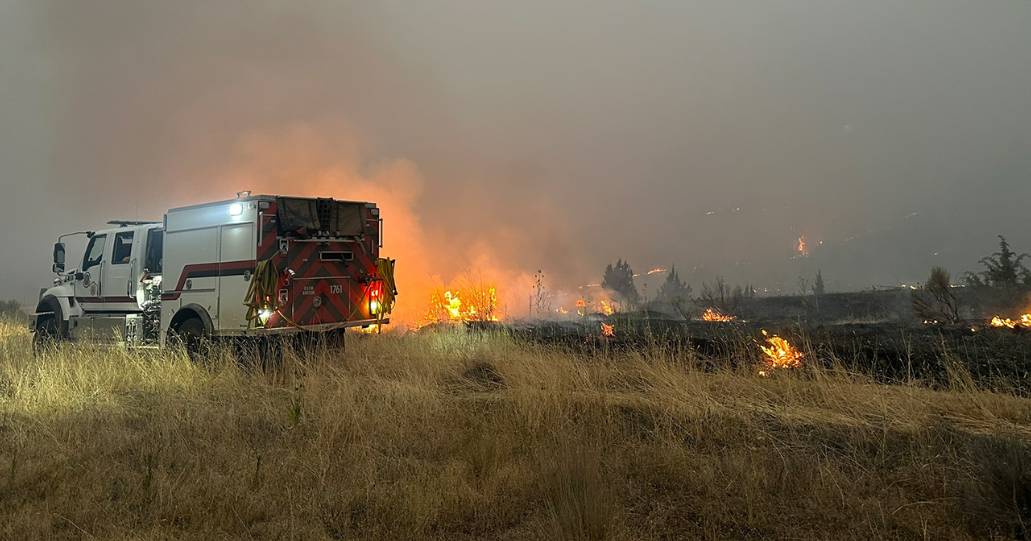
column 46, row 334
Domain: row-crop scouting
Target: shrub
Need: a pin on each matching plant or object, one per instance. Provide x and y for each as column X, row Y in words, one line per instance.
column 936, row 300
column 11, row 309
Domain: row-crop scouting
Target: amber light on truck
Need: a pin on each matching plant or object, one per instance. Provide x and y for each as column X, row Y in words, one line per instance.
column 375, row 292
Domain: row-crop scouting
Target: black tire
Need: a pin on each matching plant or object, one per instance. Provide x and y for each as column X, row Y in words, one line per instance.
column 46, row 334
column 310, row 344
column 336, row 341
column 263, row 352
column 194, row 338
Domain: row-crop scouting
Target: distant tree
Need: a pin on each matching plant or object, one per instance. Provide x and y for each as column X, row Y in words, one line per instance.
column 818, row 287
column 810, row 301
column 1004, row 269
column 676, row 292
column 620, row 280
column 936, row 301
column 673, row 287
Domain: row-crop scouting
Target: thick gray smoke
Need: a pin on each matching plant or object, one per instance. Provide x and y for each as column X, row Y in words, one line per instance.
column 516, row 136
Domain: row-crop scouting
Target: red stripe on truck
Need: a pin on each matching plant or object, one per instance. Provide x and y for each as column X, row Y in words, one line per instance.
column 204, row 270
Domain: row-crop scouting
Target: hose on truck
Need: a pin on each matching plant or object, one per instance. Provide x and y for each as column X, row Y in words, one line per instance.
column 262, row 293
column 385, row 268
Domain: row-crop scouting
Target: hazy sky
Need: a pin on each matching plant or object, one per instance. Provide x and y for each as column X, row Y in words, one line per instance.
column 516, row 136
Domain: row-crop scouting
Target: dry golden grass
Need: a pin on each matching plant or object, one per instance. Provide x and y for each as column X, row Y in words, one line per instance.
column 449, row 435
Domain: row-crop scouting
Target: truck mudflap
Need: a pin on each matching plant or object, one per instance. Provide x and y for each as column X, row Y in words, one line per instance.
column 322, row 282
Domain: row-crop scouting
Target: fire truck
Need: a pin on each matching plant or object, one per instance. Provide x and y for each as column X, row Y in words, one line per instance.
column 250, row 267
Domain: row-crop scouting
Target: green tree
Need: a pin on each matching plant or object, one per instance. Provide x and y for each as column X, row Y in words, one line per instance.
column 673, row 288
column 1004, row 268
column 818, row 286
column 620, row 279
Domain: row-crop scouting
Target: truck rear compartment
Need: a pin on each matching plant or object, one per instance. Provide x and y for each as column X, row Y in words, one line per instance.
column 325, row 252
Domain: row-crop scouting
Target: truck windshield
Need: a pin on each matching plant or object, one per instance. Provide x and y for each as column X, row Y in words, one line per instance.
column 94, row 252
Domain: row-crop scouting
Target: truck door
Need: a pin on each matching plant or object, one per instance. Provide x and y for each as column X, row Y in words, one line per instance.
column 117, row 285
column 88, row 282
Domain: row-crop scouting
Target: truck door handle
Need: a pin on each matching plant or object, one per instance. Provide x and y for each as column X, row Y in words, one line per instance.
column 128, row 283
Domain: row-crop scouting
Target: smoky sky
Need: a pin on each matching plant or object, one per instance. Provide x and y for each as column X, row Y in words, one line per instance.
column 557, row 136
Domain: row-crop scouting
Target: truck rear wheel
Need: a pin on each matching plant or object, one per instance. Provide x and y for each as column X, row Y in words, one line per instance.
column 313, row 343
column 265, row 352
column 194, row 338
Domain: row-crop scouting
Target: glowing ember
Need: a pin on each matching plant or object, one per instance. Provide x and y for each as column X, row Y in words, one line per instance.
column 562, row 310
column 779, row 354
column 1024, row 321
column 474, row 304
column 656, row 271
column 581, row 303
column 715, row 315
column 802, row 250
column 607, row 330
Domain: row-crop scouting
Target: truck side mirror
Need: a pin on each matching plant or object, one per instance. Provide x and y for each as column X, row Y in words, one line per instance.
column 59, row 257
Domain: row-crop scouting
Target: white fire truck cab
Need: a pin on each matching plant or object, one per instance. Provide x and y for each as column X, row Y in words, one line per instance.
column 252, row 266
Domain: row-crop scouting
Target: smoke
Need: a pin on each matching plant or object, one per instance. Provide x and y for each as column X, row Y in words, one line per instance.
column 302, row 160
column 505, row 138
column 165, row 106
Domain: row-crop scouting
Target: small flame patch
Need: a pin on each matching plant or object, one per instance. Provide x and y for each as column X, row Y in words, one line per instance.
column 1024, row 321
column 779, row 354
column 714, row 315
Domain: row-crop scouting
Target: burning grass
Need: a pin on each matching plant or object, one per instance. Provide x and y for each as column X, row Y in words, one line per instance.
column 476, row 435
column 476, row 303
column 714, row 315
column 779, row 354
column 1024, row 321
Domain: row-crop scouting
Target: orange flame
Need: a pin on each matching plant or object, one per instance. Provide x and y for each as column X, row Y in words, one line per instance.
column 606, row 308
column 715, row 315
column 607, row 330
column 656, row 271
column 779, row 354
column 1024, row 321
column 802, row 250
column 473, row 304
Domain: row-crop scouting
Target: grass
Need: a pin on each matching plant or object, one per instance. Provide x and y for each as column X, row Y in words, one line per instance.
column 452, row 435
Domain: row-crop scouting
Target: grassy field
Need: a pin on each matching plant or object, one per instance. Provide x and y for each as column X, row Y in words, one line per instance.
column 449, row 435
